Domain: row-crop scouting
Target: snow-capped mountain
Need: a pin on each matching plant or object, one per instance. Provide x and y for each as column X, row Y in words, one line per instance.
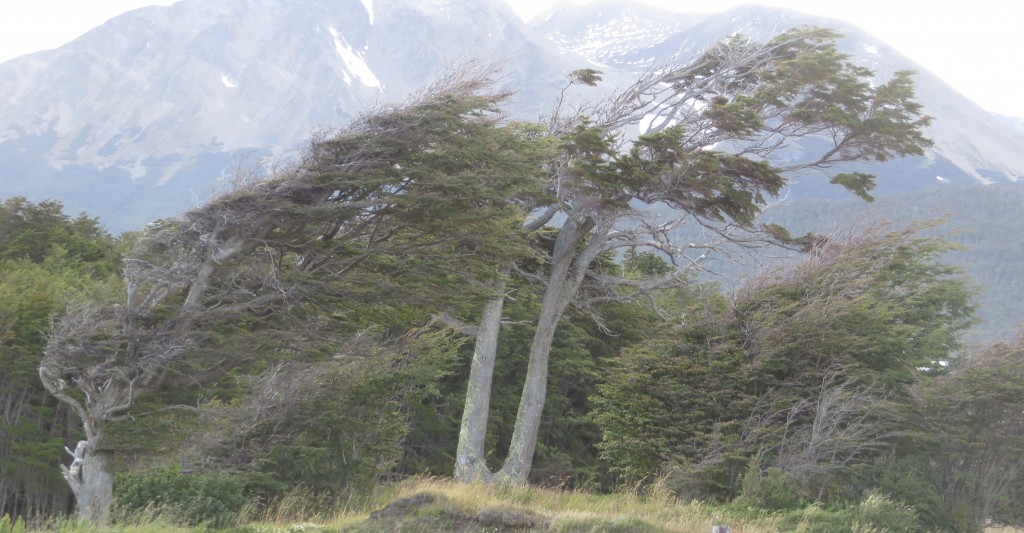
column 139, row 118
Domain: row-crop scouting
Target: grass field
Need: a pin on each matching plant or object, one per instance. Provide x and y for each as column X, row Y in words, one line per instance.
column 440, row 505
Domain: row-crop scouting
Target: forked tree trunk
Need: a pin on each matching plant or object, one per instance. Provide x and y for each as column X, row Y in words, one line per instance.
column 470, row 464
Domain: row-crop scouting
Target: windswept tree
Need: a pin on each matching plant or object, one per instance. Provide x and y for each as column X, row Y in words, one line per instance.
column 688, row 143
column 393, row 212
column 811, row 371
column 976, row 415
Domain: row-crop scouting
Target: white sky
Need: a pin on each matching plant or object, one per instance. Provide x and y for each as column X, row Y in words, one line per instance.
column 976, row 45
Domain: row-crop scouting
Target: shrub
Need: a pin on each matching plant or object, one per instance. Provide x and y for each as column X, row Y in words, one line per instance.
column 913, row 479
column 185, row 499
column 770, row 489
column 9, row 525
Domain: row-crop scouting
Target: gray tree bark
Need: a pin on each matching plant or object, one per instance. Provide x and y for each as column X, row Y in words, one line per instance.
column 91, row 481
column 89, row 475
column 470, row 464
column 564, row 278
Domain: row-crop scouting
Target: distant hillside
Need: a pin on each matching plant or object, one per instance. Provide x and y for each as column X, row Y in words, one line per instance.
column 985, row 222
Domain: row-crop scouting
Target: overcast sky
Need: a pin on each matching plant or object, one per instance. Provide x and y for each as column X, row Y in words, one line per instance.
column 976, row 45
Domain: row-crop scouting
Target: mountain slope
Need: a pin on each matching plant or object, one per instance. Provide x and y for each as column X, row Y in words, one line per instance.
column 137, row 118
column 142, row 117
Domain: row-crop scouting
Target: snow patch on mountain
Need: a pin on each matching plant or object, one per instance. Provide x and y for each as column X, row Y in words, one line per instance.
column 614, row 31
column 368, row 5
column 353, row 62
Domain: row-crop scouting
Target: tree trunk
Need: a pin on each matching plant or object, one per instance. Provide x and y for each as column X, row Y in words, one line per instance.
column 91, row 481
column 89, row 475
column 557, row 296
column 516, row 469
column 470, row 464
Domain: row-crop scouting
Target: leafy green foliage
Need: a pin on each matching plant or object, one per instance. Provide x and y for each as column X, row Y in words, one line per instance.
column 672, row 399
column 977, row 413
column 857, row 183
column 891, row 308
column 184, row 498
column 337, row 427
column 877, row 512
column 586, row 76
column 768, row 489
column 34, row 232
column 913, row 478
column 808, row 371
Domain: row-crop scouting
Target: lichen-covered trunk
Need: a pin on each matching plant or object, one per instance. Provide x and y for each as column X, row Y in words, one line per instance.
column 91, row 480
column 516, row 469
column 557, row 295
column 89, row 475
column 470, row 464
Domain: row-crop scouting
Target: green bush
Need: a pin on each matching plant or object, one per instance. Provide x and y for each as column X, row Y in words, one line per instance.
column 770, row 489
column 185, row 499
column 913, row 479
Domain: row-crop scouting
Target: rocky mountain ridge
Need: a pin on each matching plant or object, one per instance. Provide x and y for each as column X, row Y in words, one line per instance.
column 148, row 114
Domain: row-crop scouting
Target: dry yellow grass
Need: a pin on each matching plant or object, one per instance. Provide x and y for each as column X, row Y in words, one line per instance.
column 650, row 511
column 656, row 507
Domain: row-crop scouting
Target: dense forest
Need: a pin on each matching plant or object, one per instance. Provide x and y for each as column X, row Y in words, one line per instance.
column 437, row 290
